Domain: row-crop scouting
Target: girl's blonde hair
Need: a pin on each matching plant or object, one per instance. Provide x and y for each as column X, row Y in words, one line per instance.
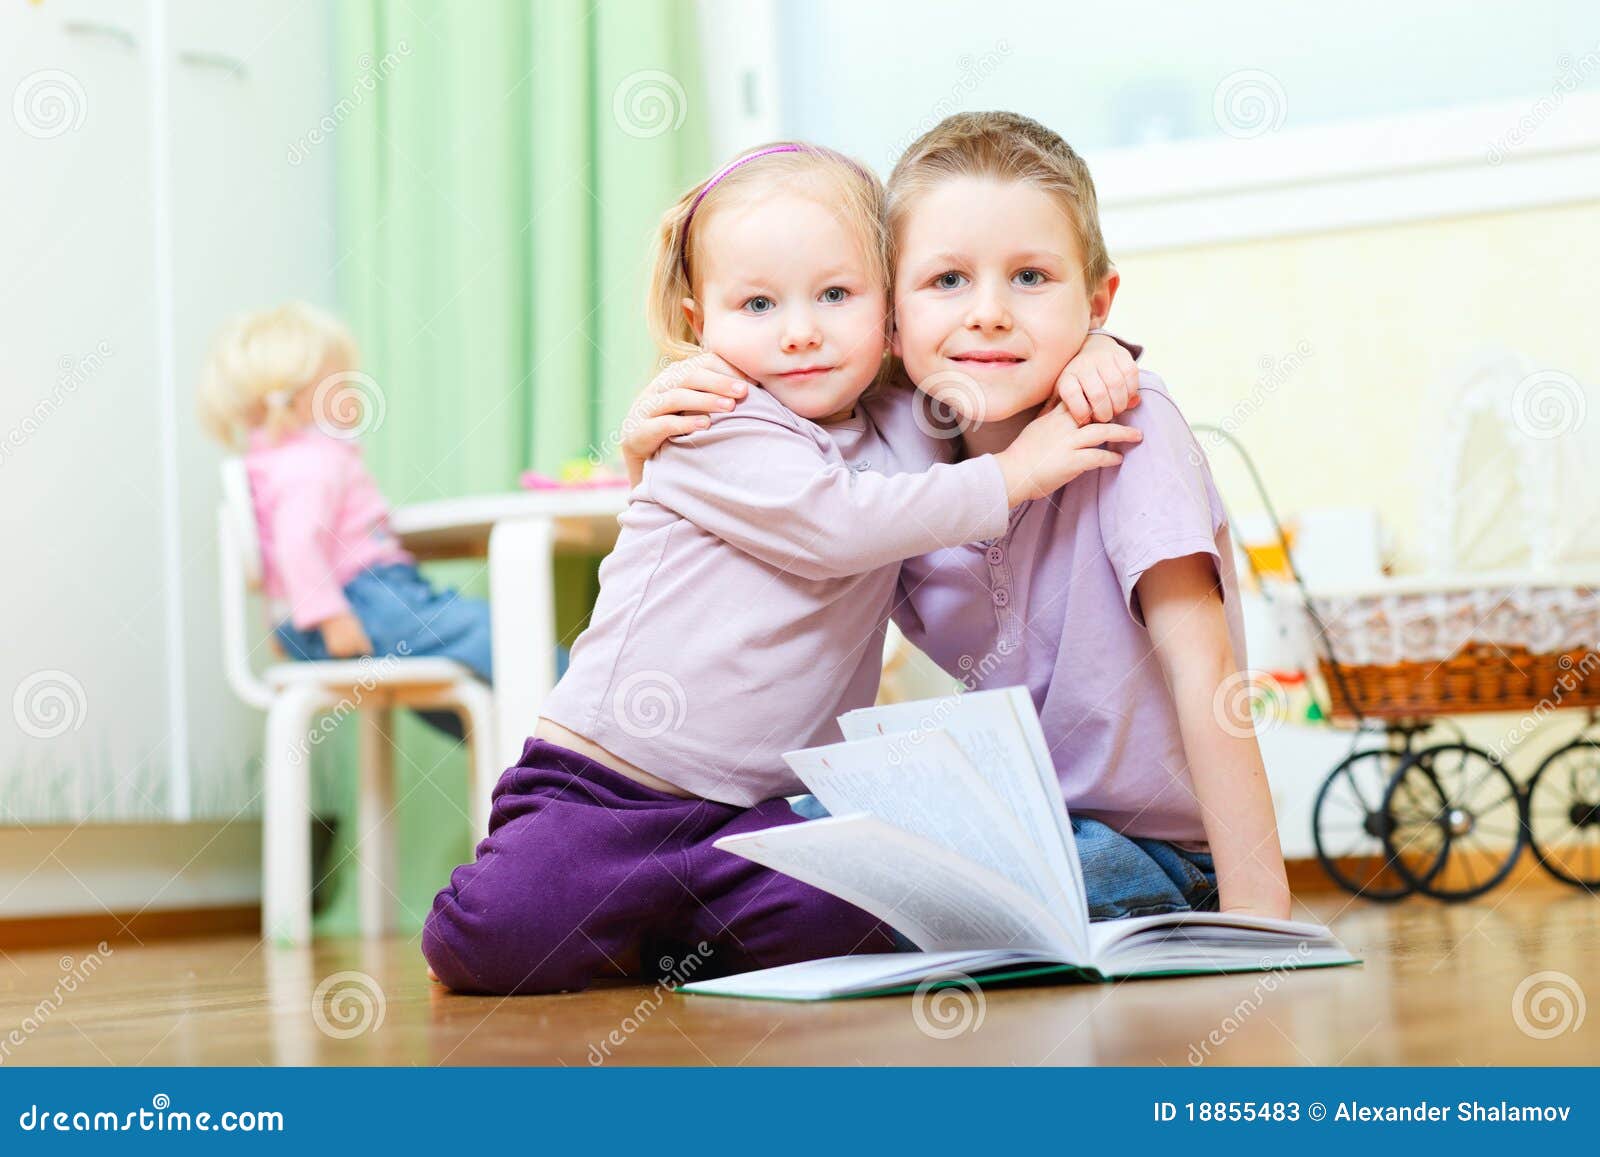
column 1005, row 146
column 259, row 361
column 850, row 189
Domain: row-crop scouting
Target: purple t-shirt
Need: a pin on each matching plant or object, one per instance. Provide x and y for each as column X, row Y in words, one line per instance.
column 1050, row 605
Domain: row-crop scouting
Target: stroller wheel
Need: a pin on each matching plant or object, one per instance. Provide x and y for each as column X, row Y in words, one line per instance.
column 1457, row 828
column 1348, row 824
column 1564, row 814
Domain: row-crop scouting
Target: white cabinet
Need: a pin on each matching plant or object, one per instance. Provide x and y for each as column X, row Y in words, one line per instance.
column 145, row 194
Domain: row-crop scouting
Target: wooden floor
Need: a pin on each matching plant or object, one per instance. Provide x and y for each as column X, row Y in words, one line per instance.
column 1440, row 985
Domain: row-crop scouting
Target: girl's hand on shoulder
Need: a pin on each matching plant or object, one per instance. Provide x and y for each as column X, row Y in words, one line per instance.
column 1100, row 382
column 1053, row 449
column 676, row 402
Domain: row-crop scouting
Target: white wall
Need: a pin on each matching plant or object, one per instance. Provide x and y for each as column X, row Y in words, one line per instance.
column 148, row 193
column 867, row 77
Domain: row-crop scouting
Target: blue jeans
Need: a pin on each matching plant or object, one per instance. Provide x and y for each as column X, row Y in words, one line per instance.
column 1135, row 876
column 1122, row 875
column 403, row 614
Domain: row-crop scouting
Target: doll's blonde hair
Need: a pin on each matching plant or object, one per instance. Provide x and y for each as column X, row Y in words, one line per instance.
column 851, row 190
column 1005, row 146
column 259, row 361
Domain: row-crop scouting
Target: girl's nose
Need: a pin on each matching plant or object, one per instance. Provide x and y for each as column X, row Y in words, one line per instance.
column 801, row 333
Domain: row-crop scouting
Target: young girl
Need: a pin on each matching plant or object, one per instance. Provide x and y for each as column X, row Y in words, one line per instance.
column 1114, row 600
column 339, row 584
column 742, row 609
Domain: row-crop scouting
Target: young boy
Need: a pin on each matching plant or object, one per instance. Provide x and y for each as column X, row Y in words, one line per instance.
column 1113, row 600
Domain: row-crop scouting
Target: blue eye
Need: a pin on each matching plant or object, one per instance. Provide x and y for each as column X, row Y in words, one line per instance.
column 950, row 280
column 1031, row 278
column 760, row 304
column 834, row 294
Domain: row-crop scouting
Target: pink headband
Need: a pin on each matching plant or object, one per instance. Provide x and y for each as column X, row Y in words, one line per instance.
column 737, row 162
column 716, row 177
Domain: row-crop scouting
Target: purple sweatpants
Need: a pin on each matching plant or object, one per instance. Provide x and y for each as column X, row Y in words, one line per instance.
column 583, row 867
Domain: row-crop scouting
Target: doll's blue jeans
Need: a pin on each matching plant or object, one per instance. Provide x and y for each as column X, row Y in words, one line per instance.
column 404, row 614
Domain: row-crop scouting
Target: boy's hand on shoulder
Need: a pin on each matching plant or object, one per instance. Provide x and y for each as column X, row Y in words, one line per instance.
column 344, row 637
column 1099, row 383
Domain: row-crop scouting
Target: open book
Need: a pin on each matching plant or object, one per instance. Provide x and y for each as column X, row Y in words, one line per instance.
column 948, row 824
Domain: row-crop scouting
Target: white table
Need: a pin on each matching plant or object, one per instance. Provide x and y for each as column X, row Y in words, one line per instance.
column 521, row 533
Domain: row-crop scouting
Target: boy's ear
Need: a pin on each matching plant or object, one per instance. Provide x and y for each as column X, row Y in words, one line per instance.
column 692, row 314
column 1100, row 299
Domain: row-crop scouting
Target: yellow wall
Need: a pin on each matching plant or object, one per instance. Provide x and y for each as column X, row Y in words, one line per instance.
column 1385, row 312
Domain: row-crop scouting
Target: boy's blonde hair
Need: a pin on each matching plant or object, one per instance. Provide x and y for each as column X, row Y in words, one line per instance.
column 259, row 360
column 1005, row 146
column 851, row 190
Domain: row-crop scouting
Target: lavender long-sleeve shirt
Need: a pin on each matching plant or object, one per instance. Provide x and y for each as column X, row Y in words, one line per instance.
column 744, row 605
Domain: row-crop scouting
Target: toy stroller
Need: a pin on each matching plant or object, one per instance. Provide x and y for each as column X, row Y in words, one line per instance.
column 1415, row 807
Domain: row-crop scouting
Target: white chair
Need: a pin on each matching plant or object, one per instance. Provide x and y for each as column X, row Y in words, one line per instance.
column 295, row 696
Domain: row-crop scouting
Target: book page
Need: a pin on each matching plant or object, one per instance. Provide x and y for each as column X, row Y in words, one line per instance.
column 939, row 900
column 1211, row 941
column 849, row 975
column 999, row 733
column 929, row 788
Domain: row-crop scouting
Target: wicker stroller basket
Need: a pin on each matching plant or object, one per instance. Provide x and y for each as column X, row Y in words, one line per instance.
column 1478, row 678
column 1410, row 650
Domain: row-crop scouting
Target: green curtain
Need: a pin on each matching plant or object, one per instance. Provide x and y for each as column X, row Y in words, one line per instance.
column 500, row 166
